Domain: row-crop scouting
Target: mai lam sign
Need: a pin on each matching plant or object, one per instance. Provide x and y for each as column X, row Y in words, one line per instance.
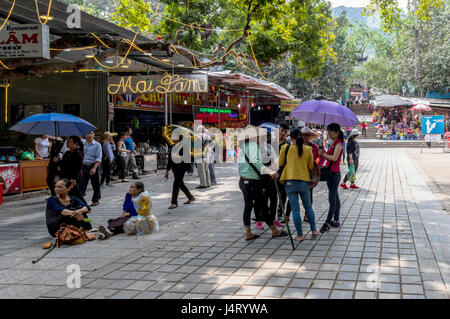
column 25, row 41
column 163, row 84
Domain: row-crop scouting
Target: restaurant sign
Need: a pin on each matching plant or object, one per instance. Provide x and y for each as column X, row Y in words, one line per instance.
column 25, row 41
column 289, row 105
column 162, row 84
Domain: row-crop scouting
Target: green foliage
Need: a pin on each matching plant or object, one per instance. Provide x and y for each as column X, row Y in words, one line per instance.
column 389, row 11
column 301, row 29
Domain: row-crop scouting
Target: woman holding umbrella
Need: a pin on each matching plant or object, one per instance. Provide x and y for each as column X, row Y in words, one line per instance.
column 333, row 157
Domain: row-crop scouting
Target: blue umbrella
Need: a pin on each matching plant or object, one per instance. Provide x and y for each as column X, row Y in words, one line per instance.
column 56, row 124
column 324, row 113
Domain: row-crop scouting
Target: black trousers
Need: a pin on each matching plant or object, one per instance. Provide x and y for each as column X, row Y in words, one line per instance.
column 270, row 197
column 95, row 181
column 284, row 200
column 106, row 172
column 178, row 184
column 121, row 166
column 254, row 199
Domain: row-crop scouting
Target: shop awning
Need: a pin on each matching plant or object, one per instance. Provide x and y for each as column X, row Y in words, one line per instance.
column 240, row 81
column 391, row 101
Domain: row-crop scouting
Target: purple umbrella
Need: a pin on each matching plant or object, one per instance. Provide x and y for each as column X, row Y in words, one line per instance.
column 324, row 113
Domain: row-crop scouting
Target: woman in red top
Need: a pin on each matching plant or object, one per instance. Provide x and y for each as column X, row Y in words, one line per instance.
column 333, row 157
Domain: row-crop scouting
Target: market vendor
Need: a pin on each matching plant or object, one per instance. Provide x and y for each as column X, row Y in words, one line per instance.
column 42, row 146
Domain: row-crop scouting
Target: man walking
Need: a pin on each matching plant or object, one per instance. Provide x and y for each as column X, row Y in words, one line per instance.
column 91, row 161
column 131, row 161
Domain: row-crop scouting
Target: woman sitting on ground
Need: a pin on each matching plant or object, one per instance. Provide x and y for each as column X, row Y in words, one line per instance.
column 65, row 209
column 128, row 210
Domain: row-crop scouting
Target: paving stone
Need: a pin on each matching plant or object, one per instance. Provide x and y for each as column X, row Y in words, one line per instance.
column 365, row 295
column 125, row 294
column 341, row 294
column 248, row 291
column 318, row 294
column 295, row 293
column 269, row 291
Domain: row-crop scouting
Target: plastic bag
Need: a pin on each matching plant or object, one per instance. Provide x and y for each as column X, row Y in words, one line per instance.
column 145, row 223
column 351, row 174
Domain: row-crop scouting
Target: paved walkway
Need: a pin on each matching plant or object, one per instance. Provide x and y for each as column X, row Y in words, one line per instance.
column 393, row 223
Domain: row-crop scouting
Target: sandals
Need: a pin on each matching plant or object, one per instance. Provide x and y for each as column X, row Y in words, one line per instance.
column 300, row 241
column 282, row 234
column 252, row 238
column 173, row 206
column 189, row 201
column 315, row 235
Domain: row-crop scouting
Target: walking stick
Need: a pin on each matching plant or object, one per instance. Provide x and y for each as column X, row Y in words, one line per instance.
column 46, row 253
column 284, row 214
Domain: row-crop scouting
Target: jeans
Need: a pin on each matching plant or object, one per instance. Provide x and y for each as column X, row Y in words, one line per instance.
column 253, row 198
column 212, row 173
column 203, row 174
column 178, row 183
column 293, row 189
column 333, row 197
column 131, row 164
column 95, row 181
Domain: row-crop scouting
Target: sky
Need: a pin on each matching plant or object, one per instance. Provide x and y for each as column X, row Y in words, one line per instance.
column 360, row 3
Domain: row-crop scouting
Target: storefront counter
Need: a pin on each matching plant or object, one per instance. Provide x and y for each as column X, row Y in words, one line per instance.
column 33, row 175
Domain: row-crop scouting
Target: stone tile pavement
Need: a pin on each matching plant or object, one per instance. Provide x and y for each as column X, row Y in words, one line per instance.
column 393, row 229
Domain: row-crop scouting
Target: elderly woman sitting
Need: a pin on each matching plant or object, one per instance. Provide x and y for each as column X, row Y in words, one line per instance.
column 65, row 209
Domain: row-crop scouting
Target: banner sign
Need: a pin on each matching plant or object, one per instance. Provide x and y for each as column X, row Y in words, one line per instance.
column 162, row 84
column 433, row 124
column 25, row 41
column 230, row 118
column 289, row 105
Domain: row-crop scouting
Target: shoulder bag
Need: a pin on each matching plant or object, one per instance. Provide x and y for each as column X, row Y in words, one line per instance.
column 69, row 234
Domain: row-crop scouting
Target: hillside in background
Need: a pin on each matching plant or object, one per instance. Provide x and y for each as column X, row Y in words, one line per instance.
column 354, row 15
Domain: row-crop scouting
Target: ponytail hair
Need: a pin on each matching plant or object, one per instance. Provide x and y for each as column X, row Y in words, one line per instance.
column 296, row 134
column 336, row 128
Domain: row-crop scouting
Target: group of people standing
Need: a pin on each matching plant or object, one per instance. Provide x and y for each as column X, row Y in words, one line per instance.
column 301, row 155
column 83, row 160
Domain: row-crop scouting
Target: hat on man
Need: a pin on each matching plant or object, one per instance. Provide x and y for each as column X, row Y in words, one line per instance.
column 107, row 135
column 355, row 132
column 307, row 130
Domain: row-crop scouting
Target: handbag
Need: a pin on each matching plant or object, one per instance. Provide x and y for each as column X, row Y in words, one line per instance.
column 315, row 176
column 69, row 234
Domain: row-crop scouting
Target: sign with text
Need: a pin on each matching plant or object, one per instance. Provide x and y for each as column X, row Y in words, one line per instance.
column 162, row 84
column 230, row 118
column 25, row 41
column 433, row 138
column 433, row 124
column 289, row 105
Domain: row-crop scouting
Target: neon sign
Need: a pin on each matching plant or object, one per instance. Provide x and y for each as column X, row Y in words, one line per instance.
column 163, row 84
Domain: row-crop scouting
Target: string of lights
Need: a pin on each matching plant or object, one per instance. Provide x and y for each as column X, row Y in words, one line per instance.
column 48, row 11
column 9, row 14
column 121, row 62
column 254, row 57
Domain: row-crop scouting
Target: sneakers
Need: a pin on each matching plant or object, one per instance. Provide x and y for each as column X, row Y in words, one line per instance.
column 259, row 225
column 344, row 186
column 277, row 224
column 353, row 186
column 335, row 224
column 105, row 232
column 326, row 227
